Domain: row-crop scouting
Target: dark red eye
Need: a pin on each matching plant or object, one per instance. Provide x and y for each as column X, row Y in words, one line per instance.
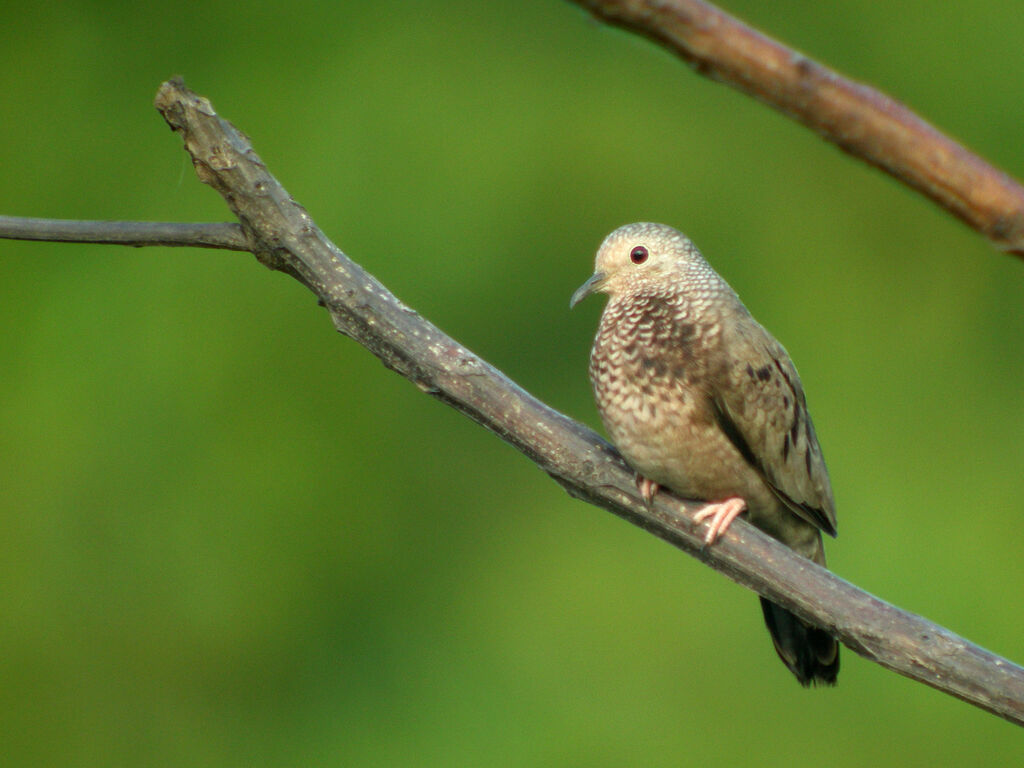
column 638, row 255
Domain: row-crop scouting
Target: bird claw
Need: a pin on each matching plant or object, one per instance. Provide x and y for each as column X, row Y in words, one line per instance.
column 722, row 514
column 648, row 488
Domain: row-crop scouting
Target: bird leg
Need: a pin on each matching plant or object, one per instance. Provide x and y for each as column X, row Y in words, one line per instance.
column 647, row 488
column 722, row 513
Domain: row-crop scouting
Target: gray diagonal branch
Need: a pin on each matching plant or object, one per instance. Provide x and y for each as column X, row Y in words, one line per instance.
column 284, row 237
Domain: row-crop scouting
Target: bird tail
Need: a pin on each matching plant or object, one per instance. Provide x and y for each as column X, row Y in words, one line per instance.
column 810, row 653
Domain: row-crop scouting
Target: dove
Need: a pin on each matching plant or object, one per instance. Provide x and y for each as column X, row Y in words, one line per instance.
column 701, row 400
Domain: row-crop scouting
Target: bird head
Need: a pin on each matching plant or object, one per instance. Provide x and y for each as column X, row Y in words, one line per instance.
column 640, row 258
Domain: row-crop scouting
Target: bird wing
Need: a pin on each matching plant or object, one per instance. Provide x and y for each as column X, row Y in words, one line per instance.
column 759, row 404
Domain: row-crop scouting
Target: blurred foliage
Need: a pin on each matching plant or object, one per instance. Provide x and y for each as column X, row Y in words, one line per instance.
column 230, row 537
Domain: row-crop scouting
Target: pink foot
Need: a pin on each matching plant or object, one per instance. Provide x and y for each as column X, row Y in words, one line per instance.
column 722, row 514
column 647, row 488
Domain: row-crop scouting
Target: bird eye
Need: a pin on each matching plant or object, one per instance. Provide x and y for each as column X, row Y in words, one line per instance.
column 638, row 255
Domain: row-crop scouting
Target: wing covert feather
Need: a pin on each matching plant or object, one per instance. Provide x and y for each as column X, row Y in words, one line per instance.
column 760, row 405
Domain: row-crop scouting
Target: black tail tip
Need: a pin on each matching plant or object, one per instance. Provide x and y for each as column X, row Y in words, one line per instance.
column 811, row 654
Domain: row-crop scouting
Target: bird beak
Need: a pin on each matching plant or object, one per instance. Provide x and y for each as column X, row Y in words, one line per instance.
column 593, row 284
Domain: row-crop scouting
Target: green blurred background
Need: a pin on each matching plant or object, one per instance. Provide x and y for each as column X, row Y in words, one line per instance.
column 229, row 536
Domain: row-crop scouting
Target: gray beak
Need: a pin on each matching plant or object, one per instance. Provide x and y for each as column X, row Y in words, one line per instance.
column 589, row 287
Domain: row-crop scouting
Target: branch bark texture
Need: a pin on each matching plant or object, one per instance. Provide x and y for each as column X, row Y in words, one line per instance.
column 857, row 118
column 204, row 235
column 282, row 235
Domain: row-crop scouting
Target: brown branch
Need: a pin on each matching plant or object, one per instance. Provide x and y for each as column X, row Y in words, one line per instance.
column 859, row 119
column 284, row 237
column 201, row 235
